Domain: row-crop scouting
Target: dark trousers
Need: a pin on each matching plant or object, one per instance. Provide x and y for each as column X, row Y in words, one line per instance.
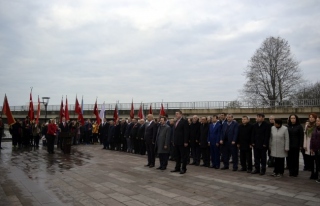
column 305, row 161
column 59, row 143
column 36, row 140
column 215, row 155
column 205, row 152
column 105, row 143
column 1, row 132
column 229, row 149
column 129, row 146
column 246, row 159
column 260, row 159
column 172, row 152
column 50, row 143
column 163, row 158
column 313, row 162
column 151, row 153
column 124, row 144
column 182, row 154
column 15, row 140
column 293, row 161
column 278, row 165
column 136, row 145
column 142, row 147
column 195, row 153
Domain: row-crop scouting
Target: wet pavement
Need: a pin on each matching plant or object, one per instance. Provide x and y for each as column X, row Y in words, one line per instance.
column 92, row 176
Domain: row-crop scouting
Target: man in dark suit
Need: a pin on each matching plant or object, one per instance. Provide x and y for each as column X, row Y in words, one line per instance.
column 123, row 140
column 260, row 142
column 150, row 137
column 134, row 136
column 194, row 140
column 141, row 132
column 127, row 134
column 181, row 142
column 104, row 133
column 203, row 142
column 64, row 128
column 228, row 139
column 244, row 144
column 214, row 139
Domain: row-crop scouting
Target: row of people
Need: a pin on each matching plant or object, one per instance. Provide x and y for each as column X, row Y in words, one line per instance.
column 213, row 138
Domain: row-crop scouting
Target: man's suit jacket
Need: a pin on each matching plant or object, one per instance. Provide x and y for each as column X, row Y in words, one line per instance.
column 214, row 133
column 181, row 132
column 104, row 130
column 64, row 128
column 141, row 131
column 261, row 135
column 231, row 134
column 151, row 132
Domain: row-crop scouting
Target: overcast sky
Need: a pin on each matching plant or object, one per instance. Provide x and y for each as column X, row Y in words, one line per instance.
column 146, row 50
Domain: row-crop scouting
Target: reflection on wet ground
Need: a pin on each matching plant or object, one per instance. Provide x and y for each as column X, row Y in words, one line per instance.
column 92, row 176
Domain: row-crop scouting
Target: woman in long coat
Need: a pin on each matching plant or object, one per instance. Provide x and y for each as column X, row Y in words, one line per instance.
column 309, row 158
column 279, row 146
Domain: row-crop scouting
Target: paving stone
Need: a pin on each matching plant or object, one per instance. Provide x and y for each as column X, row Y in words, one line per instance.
column 146, row 200
column 120, row 197
column 188, row 200
column 134, row 203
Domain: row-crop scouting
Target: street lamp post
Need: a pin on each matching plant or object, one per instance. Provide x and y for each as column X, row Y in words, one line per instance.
column 45, row 101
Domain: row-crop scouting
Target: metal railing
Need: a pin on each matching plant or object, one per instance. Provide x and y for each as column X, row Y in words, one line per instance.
column 186, row 105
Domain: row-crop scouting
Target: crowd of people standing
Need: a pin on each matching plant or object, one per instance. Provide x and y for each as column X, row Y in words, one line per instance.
column 210, row 139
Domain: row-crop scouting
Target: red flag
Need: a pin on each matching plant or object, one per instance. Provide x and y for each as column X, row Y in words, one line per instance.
column 61, row 110
column 150, row 109
column 115, row 113
column 96, row 112
column 140, row 114
column 38, row 111
column 162, row 112
column 31, row 109
column 77, row 110
column 132, row 111
column 7, row 112
column 66, row 110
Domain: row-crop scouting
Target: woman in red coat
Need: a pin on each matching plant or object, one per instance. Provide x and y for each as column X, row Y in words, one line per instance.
column 51, row 135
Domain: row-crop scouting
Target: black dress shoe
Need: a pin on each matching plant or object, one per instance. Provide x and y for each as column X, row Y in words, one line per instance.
column 235, row 169
column 255, row 172
column 163, row 168
column 242, row 170
column 249, row 171
column 147, row 165
column 193, row 163
column 175, row 170
column 159, row 168
column 151, row 166
column 217, row 168
column 262, row 173
column 224, row 168
column 182, row 171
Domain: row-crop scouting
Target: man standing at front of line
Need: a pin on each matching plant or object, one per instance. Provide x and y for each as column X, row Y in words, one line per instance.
column 150, row 137
column 180, row 141
column 260, row 142
column 228, row 138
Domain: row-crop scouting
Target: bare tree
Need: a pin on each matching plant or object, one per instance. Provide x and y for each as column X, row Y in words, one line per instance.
column 272, row 73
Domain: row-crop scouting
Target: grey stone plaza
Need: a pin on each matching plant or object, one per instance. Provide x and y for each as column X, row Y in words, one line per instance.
column 92, row 176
